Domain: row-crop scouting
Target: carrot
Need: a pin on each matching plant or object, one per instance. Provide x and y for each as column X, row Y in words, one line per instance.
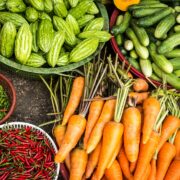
column 68, row 162
column 94, row 113
column 140, row 85
column 151, row 109
column 114, row 172
column 130, row 75
column 177, row 145
column 74, row 99
column 165, row 156
column 93, row 160
column 152, row 175
column 169, row 126
column 59, row 132
column 132, row 131
column 112, row 135
column 173, row 172
column 132, row 166
column 145, row 155
column 114, row 154
column 124, row 164
column 75, row 129
column 79, row 159
column 138, row 97
column 146, row 172
column 107, row 114
column 104, row 178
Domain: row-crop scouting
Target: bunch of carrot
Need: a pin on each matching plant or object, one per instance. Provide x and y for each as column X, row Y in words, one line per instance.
column 133, row 134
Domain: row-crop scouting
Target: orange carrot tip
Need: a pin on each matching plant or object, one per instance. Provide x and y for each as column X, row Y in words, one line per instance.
column 151, row 109
column 75, row 129
column 59, row 132
column 137, row 97
column 114, row 172
column 78, row 162
column 94, row 113
column 140, row 85
column 132, row 132
column 93, row 160
column 74, row 99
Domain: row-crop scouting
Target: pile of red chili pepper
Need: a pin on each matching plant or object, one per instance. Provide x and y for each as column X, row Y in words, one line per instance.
column 25, row 154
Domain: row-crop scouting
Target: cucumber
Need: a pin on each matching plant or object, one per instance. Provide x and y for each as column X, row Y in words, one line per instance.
column 133, row 54
column 177, row 28
column 60, row 9
column 128, row 45
column 45, row 35
column 84, row 49
column 142, row 51
column 134, row 63
column 177, row 8
column 178, row 19
column 123, row 26
column 119, row 39
column 169, row 44
column 103, row 36
column 141, row 34
column 54, row 52
column 84, row 20
column 73, row 24
column 173, row 54
column 2, row 4
column 142, row 12
column 154, row 18
column 146, row 67
column 119, row 19
column 34, row 29
column 35, row 60
column 63, row 59
column 95, row 24
column 93, row 9
column 160, row 60
column 16, row 6
column 7, row 39
column 177, row 73
column 164, row 26
column 172, row 79
column 176, row 63
column 31, row 14
column 155, row 77
column 152, row 5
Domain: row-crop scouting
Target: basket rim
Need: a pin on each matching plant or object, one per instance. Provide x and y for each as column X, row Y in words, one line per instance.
column 20, row 124
column 117, row 50
column 13, row 101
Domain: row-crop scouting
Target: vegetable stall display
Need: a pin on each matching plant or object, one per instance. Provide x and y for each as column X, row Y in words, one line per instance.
column 50, row 33
column 124, row 136
column 147, row 35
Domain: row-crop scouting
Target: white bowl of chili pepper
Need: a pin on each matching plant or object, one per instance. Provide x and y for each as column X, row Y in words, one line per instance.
column 27, row 152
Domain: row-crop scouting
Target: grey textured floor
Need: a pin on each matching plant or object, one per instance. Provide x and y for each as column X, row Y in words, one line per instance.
column 33, row 101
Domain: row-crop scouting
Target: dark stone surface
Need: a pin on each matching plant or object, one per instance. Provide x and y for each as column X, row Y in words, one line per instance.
column 33, row 102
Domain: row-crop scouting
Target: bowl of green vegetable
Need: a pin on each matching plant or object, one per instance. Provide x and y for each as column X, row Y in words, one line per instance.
column 61, row 38
column 146, row 38
column 7, row 98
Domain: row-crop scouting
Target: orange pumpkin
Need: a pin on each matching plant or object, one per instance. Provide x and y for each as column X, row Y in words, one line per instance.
column 124, row 4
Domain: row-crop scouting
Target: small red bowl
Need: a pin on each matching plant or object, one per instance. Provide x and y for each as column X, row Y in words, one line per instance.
column 120, row 55
column 9, row 88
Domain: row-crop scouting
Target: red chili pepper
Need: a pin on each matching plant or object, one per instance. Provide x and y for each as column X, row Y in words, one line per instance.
column 4, row 176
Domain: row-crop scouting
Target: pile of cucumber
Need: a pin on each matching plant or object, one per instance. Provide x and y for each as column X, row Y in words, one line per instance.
column 148, row 35
column 50, row 33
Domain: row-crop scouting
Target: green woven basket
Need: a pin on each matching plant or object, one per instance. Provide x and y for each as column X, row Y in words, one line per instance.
column 27, row 71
